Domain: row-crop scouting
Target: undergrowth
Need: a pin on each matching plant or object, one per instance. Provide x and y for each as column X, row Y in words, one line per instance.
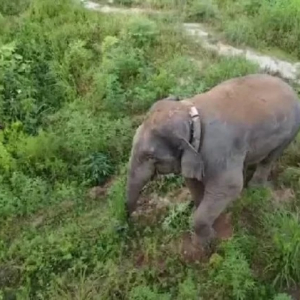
column 73, row 86
column 262, row 23
column 267, row 25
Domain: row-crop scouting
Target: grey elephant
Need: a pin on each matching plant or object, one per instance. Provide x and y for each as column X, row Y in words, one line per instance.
column 211, row 139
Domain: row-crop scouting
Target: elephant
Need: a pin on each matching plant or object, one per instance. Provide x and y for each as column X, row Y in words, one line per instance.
column 211, row 139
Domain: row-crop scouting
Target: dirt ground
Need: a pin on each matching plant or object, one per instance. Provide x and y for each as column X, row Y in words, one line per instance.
column 152, row 209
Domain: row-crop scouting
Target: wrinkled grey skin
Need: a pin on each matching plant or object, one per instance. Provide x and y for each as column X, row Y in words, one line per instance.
column 244, row 121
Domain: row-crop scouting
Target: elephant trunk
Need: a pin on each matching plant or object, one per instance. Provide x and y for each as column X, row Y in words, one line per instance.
column 138, row 176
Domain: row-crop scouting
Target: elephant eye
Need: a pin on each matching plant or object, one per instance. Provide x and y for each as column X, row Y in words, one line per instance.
column 149, row 155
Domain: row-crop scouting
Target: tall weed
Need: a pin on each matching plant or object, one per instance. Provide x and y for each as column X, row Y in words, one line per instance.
column 9, row 8
column 283, row 253
column 262, row 23
column 231, row 274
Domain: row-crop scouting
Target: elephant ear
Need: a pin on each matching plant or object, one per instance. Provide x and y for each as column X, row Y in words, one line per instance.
column 191, row 162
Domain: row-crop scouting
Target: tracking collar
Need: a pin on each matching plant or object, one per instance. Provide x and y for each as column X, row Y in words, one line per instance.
column 195, row 125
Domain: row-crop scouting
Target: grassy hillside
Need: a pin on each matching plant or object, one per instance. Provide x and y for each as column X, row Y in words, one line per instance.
column 73, row 87
column 269, row 25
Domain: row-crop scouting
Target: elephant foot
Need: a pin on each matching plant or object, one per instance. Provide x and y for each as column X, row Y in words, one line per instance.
column 129, row 209
column 205, row 236
column 190, row 249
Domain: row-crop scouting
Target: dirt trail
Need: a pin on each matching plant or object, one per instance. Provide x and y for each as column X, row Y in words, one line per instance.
column 286, row 70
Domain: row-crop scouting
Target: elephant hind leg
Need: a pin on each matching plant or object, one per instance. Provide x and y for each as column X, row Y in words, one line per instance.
column 261, row 175
column 248, row 173
column 263, row 169
column 220, row 191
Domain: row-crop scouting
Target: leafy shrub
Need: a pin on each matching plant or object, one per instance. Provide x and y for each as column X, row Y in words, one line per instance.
column 131, row 79
column 290, row 177
column 291, row 155
column 125, row 2
column 282, row 297
column 7, row 162
column 280, row 17
column 283, row 253
column 142, row 32
column 45, row 257
column 201, row 10
column 144, row 292
column 185, row 77
column 97, row 167
column 231, row 275
column 188, row 289
column 178, row 219
column 156, row 4
column 116, row 198
column 241, row 31
column 42, row 71
column 263, row 23
column 13, row 7
column 226, row 68
column 17, row 95
column 23, row 195
column 122, row 64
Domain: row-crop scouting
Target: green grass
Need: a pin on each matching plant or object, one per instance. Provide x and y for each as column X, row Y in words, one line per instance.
column 262, row 23
column 270, row 26
column 73, row 85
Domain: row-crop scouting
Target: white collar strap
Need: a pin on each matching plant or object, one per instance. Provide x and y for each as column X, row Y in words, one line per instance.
column 195, row 125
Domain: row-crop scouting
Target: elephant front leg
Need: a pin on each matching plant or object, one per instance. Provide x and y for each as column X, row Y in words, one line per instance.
column 220, row 191
column 196, row 189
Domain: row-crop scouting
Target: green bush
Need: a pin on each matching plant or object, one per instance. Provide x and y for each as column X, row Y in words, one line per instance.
column 144, row 292
column 44, row 258
column 47, row 63
column 282, row 297
column 262, row 23
column 78, row 147
column 241, row 31
column 188, row 289
column 231, row 275
column 13, row 7
column 142, row 32
column 280, row 17
column 201, row 11
column 226, row 68
column 178, row 219
column 283, row 253
column 23, row 196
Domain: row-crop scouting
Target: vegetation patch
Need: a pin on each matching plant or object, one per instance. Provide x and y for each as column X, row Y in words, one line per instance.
column 74, row 85
column 270, row 26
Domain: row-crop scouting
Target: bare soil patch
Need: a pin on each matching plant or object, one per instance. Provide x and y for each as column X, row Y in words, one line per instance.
column 223, row 226
column 190, row 250
column 9, row 276
column 282, row 196
column 151, row 209
column 100, row 191
column 294, row 293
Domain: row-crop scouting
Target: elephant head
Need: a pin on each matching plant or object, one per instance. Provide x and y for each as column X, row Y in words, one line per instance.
column 166, row 142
